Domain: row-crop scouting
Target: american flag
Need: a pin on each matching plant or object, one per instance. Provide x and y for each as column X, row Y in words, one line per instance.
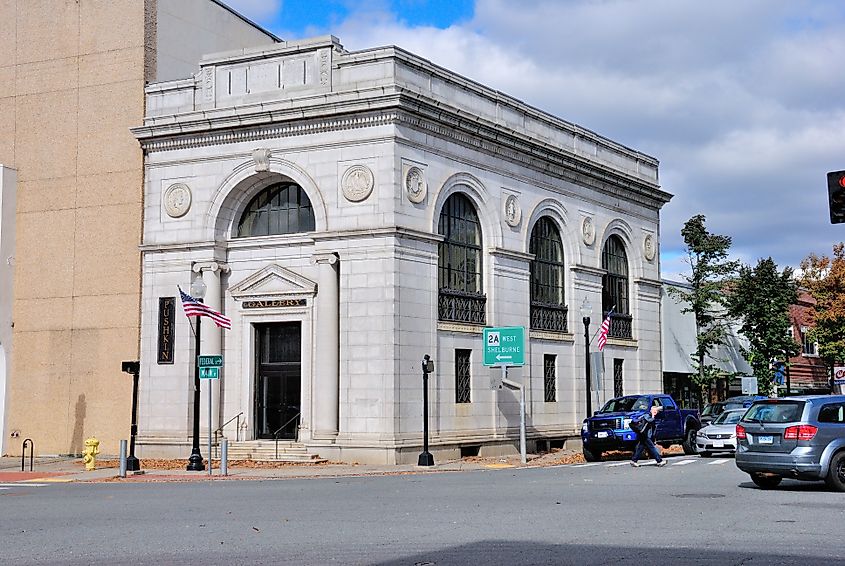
column 193, row 307
column 605, row 328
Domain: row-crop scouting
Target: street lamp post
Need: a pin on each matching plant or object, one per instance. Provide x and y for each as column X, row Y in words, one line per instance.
column 586, row 311
column 195, row 460
column 426, row 459
column 133, row 368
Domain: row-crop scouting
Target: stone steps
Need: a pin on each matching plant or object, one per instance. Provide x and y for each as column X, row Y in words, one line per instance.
column 265, row 451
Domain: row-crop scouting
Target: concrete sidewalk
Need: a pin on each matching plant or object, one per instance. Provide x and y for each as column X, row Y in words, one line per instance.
column 73, row 470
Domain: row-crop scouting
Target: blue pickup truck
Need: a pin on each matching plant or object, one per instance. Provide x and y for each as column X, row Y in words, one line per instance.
column 609, row 428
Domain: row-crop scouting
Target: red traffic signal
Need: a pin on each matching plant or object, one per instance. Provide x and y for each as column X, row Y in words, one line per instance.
column 836, row 196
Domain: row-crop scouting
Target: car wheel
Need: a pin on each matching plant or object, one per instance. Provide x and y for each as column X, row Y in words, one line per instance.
column 689, row 443
column 765, row 481
column 591, row 456
column 705, row 454
column 836, row 474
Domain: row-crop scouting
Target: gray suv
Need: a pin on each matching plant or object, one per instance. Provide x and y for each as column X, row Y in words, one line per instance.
column 795, row 437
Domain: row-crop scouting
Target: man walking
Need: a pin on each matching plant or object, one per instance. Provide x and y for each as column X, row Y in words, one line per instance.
column 644, row 439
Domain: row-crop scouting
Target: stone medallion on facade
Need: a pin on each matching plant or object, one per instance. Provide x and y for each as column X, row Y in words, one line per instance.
column 588, row 231
column 649, row 247
column 177, row 200
column 513, row 212
column 357, row 183
column 415, row 185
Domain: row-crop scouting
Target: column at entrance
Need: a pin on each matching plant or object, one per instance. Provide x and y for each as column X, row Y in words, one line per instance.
column 212, row 338
column 326, row 392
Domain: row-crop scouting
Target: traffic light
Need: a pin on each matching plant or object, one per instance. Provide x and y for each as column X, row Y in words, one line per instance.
column 836, row 196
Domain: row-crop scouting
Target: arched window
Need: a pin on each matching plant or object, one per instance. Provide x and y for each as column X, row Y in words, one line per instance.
column 614, row 295
column 282, row 208
column 548, row 311
column 459, row 274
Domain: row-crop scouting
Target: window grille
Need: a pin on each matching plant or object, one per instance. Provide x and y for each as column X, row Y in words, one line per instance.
column 549, row 378
column 463, row 377
column 617, row 377
column 614, row 261
column 459, row 273
column 548, row 311
column 282, row 208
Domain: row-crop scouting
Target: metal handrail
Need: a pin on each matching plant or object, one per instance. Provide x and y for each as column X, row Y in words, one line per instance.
column 278, row 430
column 219, row 430
column 31, row 453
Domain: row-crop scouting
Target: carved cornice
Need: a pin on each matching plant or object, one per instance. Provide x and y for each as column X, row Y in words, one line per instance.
column 403, row 108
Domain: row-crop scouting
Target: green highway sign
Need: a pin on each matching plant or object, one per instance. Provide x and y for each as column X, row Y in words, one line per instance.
column 504, row 346
column 210, row 361
column 209, row 373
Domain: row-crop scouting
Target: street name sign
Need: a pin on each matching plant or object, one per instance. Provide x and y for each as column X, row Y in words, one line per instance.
column 209, row 373
column 504, row 346
column 210, row 361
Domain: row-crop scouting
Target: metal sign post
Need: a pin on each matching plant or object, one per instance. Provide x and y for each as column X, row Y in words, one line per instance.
column 209, row 369
column 505, row 347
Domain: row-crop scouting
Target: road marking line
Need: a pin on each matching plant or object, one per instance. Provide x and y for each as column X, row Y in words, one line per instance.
column 617, row 464
column 716, row 462
column 22, row 484
column 683, row 462
column 586, row 465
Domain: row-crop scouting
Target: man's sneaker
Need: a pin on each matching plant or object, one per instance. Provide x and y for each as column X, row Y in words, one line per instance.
column 661, row 463
column 635, row 464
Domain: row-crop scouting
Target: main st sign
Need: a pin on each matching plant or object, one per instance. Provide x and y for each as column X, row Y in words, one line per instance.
column 504, row 346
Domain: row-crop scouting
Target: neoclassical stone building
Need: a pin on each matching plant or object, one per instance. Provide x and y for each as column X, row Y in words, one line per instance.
column 354, row 211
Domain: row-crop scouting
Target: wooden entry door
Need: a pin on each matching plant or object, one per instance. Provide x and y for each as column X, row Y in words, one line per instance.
column 278, row 380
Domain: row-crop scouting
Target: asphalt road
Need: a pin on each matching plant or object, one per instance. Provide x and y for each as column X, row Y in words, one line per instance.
column 702, row 512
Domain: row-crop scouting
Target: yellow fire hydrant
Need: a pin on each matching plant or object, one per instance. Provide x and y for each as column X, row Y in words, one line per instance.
column 89, row 455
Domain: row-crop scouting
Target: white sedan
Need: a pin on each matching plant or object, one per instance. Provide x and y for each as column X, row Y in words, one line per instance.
column 720, row 434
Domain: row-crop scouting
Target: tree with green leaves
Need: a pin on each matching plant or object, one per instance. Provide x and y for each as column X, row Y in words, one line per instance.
column 760, row 298
column 710, row 269
column 824, row 278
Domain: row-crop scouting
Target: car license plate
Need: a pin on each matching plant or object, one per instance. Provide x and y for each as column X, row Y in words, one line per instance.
column 718, row 444
column 765, row 439
column 601, row 435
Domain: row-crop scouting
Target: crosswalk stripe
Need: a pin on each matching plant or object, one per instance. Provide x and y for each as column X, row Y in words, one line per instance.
column 683, row 462
column 618, row 464
column 8, row 485
column 586, row 465
column 716, row 462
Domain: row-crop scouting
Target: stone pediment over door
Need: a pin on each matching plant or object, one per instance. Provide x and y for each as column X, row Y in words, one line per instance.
column 273, row 282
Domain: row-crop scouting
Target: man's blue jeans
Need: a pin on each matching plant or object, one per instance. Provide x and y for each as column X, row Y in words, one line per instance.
column 645, row 443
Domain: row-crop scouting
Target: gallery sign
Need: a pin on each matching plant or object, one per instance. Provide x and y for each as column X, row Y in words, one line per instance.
column 274, row 303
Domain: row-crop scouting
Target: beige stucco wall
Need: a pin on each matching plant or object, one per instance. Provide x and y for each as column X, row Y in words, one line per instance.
column 72, row 75
column 71, row 85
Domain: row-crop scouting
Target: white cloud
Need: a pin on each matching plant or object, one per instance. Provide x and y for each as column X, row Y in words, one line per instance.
column 741, row 101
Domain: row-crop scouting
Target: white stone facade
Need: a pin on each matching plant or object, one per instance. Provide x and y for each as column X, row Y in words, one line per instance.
column 378, row 140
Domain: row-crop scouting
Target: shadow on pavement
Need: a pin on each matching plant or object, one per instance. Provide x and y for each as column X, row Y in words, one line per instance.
column 517, row 553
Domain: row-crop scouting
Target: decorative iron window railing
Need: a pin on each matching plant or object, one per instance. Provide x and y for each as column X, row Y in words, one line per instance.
column 549, row 378
column 620, row 325
column 463, row 376
column 546, row 316
column 459, row 306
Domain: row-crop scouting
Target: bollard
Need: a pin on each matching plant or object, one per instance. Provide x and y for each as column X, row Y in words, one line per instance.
column 122, row 459
column 224, row 457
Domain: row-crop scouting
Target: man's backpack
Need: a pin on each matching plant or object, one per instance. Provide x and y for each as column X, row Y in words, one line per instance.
column 638, row 425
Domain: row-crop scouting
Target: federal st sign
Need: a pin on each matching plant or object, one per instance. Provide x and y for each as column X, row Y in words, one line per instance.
column 504, row 346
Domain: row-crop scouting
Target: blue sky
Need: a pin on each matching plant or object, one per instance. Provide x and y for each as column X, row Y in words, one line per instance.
column 742, row 102
column 299, row 17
